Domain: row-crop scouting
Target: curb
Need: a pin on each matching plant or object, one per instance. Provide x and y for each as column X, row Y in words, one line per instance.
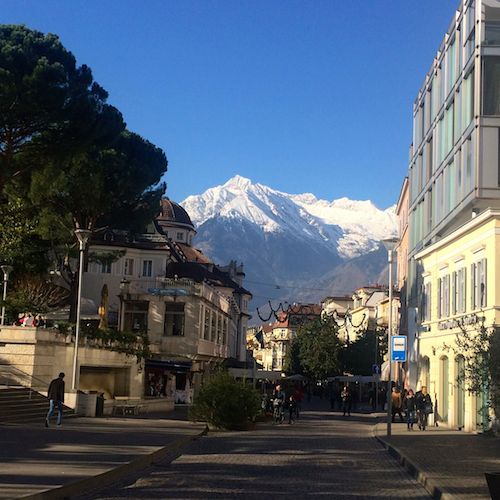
column 99, row 481
column 430, row 485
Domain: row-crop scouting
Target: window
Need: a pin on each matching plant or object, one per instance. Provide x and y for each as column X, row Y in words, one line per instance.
column 224, row 332
column 444, row 296
column 461, row 284
column 491, row 85
column 206, row 328
column 136, row 316
column 180, row 236
column 213, row 329
column 174, row 320
column 426, row 302
column 128, row 269
column 147, row 268
column 478, row 284
column 219, row 330
column 106, row 267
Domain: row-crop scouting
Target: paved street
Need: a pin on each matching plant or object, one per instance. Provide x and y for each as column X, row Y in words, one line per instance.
column 322, row 455
column 453, row 462
column 34, row 459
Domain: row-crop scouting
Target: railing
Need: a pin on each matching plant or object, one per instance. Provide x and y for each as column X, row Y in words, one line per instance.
column 177, row 287
column 13, row 377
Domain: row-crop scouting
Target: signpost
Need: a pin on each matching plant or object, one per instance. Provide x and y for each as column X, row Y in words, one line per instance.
column 398, row 351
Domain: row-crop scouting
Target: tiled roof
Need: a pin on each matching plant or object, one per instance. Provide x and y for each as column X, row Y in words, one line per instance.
column 193, row 254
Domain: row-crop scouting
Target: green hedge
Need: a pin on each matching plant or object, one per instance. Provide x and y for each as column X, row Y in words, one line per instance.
column 226, row 403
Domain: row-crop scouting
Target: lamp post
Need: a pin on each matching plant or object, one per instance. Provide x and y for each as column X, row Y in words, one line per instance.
column 124, row 291
column 390, row 245
column 6, row 271
column 83, row 236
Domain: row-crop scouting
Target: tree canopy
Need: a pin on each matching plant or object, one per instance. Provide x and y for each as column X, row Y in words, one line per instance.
column 50, row 107
column 315, row 352
column 67, row 160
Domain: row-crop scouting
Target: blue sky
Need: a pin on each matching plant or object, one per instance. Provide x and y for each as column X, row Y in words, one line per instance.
column 303, row 96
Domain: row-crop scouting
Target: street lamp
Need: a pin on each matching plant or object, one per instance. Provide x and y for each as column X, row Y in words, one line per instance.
column 390, row 245
column 83, row 236
column 124, row 291
column 6, row 271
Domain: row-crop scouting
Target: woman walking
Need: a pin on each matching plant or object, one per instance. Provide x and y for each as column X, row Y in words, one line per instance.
column 410, row 405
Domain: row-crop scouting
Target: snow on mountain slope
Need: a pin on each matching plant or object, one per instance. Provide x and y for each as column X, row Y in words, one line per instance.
column 348, row 227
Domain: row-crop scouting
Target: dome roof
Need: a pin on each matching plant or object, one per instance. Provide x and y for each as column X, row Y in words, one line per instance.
column 173, row 215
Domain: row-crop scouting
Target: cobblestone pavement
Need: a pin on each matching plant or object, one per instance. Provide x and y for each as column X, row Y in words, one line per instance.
column 324, row 455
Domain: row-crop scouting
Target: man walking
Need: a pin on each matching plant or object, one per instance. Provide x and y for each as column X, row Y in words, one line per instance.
column 56, row 396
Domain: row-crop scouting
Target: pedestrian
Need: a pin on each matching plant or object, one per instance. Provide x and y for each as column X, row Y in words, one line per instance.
column 410, row 406
column 424, row 407
column 298, row 396
column 372, row 397
column 292, row 409
column 279, row 401
column 346, row 398
column 28, row 321
column 397, row 404
column 56, row 397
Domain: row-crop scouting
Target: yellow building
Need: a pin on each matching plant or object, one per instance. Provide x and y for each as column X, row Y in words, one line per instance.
column 458, row 289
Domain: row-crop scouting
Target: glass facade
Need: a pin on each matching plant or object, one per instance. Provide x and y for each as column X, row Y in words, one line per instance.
column 441, row 171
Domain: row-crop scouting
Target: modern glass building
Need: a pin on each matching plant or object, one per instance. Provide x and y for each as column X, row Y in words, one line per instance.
column 454, row 202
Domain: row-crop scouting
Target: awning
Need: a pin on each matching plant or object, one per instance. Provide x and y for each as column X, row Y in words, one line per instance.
column 170, row 364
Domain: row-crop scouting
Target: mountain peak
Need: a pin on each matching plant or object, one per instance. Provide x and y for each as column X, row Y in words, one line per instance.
column 345, row 226
column 238, row 181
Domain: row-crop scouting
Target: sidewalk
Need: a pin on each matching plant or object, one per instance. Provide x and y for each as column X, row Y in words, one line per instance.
column 449, row 463
column 84, row 453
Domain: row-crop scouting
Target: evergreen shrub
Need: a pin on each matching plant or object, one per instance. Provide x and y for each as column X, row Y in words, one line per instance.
column 226, row 403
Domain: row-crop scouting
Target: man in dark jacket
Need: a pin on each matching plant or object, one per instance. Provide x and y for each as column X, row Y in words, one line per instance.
column 56, row 396
column 424, row 407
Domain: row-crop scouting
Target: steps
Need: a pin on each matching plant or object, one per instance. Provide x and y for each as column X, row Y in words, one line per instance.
column 24, row 405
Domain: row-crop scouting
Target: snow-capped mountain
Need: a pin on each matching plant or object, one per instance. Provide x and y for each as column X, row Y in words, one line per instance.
column 294, row 246
column 351, row 227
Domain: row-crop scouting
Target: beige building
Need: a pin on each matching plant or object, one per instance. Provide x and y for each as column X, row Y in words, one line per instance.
column 460, row 275
column 270, row 343
column 363, row 314
column 193, row 313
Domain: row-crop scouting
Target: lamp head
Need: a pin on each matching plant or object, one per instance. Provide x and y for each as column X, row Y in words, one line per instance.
column 124, row 285
column 6, row 269
column 83, row 236
column 390, row 244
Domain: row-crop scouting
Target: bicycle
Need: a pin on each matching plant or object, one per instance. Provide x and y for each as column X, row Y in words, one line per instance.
column 278, row 413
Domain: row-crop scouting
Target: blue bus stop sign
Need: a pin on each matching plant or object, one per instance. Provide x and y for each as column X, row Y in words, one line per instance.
column 398, row 348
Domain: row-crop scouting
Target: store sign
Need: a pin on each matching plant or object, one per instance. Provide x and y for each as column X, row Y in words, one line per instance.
column 470, row 319
column 168, row 292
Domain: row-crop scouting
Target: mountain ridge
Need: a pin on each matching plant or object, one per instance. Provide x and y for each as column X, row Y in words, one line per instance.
column 294, row 239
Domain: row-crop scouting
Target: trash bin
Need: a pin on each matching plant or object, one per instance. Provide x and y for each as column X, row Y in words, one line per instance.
column 493, row 480
column 86, row 406
column 99, row 405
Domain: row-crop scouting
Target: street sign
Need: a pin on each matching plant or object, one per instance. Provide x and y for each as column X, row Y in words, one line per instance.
column 398, row 348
